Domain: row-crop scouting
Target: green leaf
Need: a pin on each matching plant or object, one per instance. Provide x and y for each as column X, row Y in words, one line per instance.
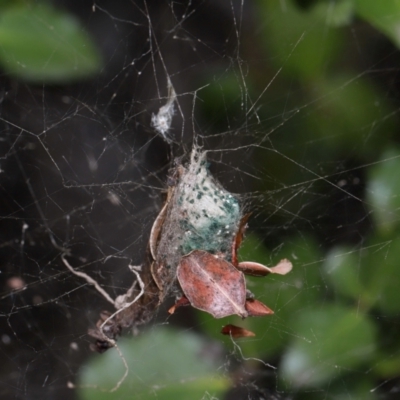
column 347, row 112
column 4, row 4
column 329, row 340
column 340, row 12
column 381, row 271
column 384, row 15
column 41, row 44
column 383, row 191
column 388, row 366
column 341, row 267
column 303, row 42
column 163, row 365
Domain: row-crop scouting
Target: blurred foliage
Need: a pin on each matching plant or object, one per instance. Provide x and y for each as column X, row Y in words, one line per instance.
column 325, row 329
column 383, row 190
column 327, row 332
column 163, row 363
column 41, row 44
column 331, row 339
column 383, row 15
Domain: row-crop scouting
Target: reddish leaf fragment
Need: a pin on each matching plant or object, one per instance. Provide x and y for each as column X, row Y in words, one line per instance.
column 252, row 268
column 183, row 301
column 236, row 331
column 257, row 309
column 212, row 284
column 239, row 237
column 282, row 268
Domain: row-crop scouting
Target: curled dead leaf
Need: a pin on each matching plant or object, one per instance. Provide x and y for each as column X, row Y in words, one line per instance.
column 239, row 237
column 256, row 269
column 183, row 301
column 257, row 309
column 236, row 331
column 156, row 229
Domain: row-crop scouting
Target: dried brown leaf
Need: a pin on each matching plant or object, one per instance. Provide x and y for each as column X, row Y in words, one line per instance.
column 256, row 269
column 257, row 309
column 212, row 284
column 236, row 331
column 183, row 301
column 156, row 229
column 239, row 237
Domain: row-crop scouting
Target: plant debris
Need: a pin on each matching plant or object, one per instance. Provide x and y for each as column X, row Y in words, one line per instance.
column 192, row 256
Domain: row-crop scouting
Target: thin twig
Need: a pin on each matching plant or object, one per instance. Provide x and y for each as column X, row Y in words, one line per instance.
column 119, row 303
column 88, row 279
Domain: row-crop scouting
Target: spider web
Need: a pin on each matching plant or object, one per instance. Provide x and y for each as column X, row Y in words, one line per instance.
column 84, row 170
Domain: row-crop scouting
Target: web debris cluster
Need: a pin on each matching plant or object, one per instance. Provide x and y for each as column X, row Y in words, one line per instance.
column 192, row 257
column 162, row 121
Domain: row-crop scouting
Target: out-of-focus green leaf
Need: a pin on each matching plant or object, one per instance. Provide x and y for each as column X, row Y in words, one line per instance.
column 383, row 191
column 383, row 15
column 347, row 112
column 342, row 267
column 4, row 4
column 381, row 270
column 40, row 44
column 340, row 12
column 388, row 366
column 329, row 340
column 163, row 365
column 303, row 42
